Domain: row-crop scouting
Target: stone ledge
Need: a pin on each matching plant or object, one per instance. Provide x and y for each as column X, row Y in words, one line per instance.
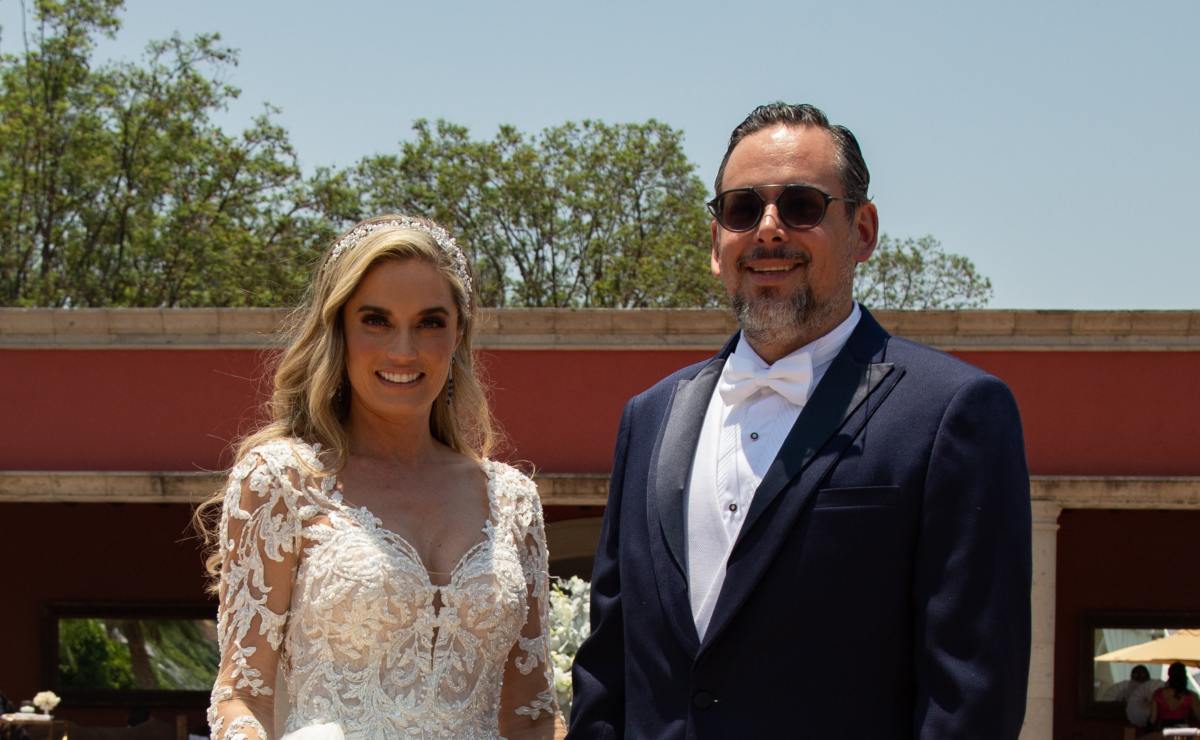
column 524, row 328
column 131, row 487
column 557, row 489
column 1102, row 492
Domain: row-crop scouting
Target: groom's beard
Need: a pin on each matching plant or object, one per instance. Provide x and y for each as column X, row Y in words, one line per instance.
column 773, row 316
column 769, row 319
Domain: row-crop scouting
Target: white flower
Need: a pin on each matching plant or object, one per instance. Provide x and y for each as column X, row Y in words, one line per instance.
column 46, row 701
column 569, row 627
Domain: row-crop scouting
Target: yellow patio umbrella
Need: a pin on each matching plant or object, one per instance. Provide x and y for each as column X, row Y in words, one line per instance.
column 1182, row 646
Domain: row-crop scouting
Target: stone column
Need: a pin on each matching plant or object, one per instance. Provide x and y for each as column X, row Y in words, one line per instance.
column 1039, row 704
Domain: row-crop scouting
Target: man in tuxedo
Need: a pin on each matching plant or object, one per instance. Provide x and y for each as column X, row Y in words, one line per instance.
column 823, row 531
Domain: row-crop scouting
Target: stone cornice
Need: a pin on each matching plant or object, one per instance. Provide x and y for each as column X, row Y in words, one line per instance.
column 136, row 487
column 557, row 489
column 704, row 329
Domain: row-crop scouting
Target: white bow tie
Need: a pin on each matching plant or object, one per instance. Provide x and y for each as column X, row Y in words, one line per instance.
column 790, row 377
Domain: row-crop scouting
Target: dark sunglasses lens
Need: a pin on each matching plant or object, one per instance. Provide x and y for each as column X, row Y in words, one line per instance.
column 740, row 211
column 801, row 208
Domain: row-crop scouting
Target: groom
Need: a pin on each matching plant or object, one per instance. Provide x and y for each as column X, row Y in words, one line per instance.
column 823, row 531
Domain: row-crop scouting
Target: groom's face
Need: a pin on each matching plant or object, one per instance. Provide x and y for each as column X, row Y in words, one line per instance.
column 784, row 281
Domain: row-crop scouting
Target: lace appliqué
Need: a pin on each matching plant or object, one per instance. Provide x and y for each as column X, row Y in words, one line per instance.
column 366, row 639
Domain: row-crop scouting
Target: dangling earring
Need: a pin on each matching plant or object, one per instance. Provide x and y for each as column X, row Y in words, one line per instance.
column 450, row 384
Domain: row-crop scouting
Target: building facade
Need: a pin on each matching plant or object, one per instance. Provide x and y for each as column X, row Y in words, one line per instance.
column 116, row 422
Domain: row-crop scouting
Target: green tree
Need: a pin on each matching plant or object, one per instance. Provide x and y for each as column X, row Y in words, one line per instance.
column 582, row 214
column 918, row 273
column 116, row 188
column 89, row 657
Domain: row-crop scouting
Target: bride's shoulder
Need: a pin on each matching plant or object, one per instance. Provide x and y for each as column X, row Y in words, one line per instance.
column 504, row 475
column 511, row 485
column 282, row 458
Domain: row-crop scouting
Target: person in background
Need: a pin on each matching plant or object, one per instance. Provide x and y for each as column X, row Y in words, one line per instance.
column 1174, row 705
column 1138, row 699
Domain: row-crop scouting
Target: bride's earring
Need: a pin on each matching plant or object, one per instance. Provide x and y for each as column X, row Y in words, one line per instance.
column 450, row 384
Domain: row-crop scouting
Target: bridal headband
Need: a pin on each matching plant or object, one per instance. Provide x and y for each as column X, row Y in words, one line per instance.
column 445, row 242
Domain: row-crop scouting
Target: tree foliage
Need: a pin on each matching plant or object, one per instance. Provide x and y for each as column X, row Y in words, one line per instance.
column 583, row 214
column 917, row 273
column 116, row 187
column 147, row 654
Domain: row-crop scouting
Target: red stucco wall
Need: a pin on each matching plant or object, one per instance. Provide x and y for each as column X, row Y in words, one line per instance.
column 94, row 552
column 1115, row 560
column 1085, row 413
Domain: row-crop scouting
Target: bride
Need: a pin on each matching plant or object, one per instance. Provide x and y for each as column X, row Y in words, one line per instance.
column 368, row 556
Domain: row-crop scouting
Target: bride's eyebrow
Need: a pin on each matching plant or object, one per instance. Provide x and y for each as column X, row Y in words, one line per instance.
column 431, row 311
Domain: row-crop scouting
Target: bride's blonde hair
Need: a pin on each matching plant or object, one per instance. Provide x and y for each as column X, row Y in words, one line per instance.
column 310, row 397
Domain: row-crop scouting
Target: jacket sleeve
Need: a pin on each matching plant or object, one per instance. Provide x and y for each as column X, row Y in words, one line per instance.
column 598, row 676
column 973, row 572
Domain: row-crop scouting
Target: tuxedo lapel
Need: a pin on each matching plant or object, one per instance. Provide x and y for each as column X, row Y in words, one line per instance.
column 670, row 468
column 845, row 385
column 809, row 450
column 673, row 464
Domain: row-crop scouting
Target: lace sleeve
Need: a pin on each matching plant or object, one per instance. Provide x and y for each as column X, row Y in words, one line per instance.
column 527, row 700
column 260, row 536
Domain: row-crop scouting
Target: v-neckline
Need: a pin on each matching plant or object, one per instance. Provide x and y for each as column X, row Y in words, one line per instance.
column 363, row 515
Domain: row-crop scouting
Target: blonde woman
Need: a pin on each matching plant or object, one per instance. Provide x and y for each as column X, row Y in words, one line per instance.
column 368, row 556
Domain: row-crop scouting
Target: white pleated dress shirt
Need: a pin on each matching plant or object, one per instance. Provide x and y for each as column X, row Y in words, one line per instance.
column 738, row 442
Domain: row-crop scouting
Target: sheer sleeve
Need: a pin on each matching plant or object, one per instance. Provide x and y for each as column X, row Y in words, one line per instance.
column 260, row 539
column 527, row 705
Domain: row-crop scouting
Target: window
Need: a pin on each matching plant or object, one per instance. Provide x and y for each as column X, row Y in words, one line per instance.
column 1105, row 685
column 106, row 654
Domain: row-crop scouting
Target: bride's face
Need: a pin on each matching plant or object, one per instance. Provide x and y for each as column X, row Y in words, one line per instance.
column 401, row 329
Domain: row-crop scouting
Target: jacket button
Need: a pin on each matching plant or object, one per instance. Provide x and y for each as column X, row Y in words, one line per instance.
column 703, row 700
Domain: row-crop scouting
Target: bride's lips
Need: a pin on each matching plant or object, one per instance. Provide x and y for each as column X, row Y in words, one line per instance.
column 408, row 378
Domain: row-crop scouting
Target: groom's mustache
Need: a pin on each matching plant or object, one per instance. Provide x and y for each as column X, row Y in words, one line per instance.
column 774, row 253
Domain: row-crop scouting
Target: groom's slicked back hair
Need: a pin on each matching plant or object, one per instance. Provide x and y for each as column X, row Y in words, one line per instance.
column 852, row 168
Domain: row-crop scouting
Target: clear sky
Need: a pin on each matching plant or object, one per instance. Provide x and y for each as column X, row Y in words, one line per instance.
column 1056, row 144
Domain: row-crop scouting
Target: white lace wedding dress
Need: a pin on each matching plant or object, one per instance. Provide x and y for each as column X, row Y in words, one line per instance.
column 317, row 595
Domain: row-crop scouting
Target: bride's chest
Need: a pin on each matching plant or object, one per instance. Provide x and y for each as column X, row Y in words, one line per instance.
column 367, row 576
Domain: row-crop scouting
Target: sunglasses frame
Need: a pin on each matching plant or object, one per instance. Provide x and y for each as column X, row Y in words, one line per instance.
column 714, row 205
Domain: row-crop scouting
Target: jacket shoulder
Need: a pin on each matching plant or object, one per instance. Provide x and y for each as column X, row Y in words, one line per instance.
column 933, row 368
column 666, row 386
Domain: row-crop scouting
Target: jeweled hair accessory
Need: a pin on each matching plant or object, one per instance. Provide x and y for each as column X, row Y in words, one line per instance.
column 444, row 241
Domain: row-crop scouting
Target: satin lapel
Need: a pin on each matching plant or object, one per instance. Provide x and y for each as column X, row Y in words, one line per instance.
column 673, row 463
column 670, row 466
column 849, row 383
column 856, row 374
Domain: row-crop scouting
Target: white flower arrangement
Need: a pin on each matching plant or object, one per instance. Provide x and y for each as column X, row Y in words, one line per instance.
column 46, row 701
column 569, row 627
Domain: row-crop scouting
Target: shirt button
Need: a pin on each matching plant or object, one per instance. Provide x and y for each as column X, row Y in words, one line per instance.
column 733, row 507
column 753, row 435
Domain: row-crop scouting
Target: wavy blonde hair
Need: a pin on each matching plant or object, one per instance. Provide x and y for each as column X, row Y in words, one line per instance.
column 310, row 398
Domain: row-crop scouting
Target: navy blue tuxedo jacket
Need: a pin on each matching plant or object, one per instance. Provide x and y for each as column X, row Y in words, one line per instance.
column 880, row 583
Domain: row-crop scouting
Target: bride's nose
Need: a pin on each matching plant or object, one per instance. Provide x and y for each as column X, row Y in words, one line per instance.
column 403, row 345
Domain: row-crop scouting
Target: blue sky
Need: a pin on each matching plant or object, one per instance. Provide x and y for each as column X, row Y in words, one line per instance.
column 1054, row 143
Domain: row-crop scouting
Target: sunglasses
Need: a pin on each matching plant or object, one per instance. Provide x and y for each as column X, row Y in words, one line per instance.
column 799, row 206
